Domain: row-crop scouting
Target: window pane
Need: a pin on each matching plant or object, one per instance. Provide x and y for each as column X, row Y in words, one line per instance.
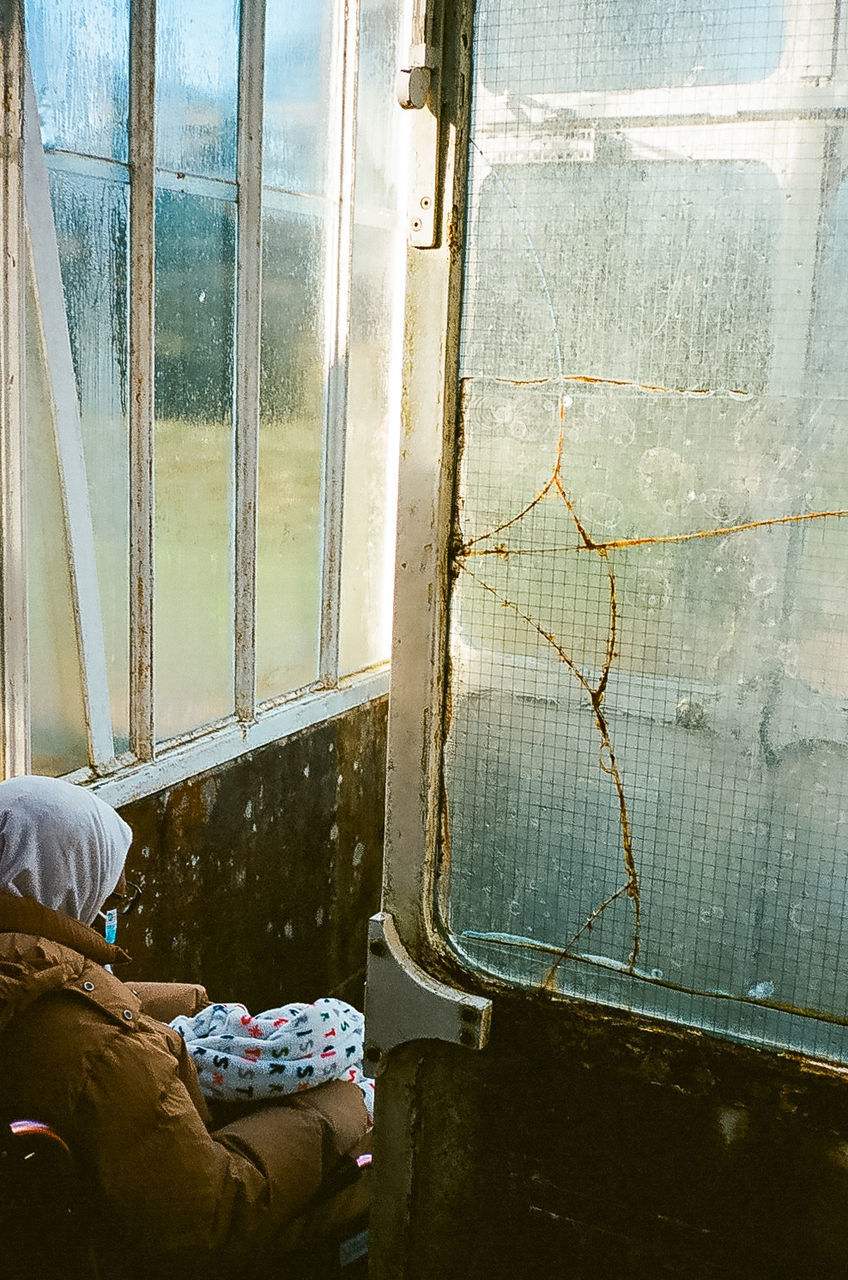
column 57, row 718
column 197, row 44
column 91, row 228
column 194, row 461
column 290, row 452
column 373, row 402
column 379, row 153
column 627, row 44
column 371, row 457
column 79, row 52
column 645, row 763
column 298, row 95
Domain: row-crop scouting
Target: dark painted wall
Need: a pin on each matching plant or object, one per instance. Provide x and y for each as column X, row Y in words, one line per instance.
column 260, row 875
column 578, row 1145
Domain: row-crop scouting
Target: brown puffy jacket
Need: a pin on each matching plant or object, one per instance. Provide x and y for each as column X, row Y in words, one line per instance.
column 87, row 1053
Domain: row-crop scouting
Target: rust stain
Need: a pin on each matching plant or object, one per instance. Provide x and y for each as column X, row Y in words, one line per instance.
column 588, row 380
column 622, row 544
column 606, row 755
column 463, row 551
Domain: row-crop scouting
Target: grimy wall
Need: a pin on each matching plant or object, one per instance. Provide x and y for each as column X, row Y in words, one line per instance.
column 586, row 1145
column 259, row 876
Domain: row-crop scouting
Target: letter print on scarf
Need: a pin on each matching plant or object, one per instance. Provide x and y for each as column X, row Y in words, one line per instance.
column 240, row 1056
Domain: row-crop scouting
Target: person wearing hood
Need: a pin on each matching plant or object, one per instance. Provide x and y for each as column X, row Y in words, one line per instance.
column 93, row 1057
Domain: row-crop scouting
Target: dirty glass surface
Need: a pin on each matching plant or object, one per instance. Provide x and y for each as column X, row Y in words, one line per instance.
column 373, row 368
column 197, row 45
column 58, row 740
column 193, row 451
column 645, row 760
column 91, row 212
column 291, row 445
column 79, row 53
column 299, row 75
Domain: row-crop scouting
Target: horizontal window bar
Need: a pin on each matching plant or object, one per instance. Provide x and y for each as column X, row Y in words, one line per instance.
column 212, row 188
column 231, row 739
column 88, row 166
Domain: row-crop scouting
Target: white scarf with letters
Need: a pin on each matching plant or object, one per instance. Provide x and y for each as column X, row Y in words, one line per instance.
column 243, row 1056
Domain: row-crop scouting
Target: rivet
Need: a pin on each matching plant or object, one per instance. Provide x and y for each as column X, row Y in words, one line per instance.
column 88, row 986
column 128, row 1015
column 465, row 1037
column 469, row 1015
column 378, row 948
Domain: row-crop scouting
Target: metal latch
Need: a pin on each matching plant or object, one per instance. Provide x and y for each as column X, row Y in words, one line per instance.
column 413, row 82
column 405, row 1003
column 417, row 90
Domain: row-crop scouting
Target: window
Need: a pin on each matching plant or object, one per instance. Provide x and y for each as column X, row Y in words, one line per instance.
column 211, row 390
column 644, row 760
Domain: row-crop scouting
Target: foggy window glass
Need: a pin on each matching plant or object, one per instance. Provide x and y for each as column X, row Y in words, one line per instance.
column 626, row 44
column 323, row 326
column 91, row 212
column 197, row 43
column 194, row 539
column 57, row 713
column 291, row 436
column 79, row 53
column 298, row 95
column 645, row 762
column 373, row 383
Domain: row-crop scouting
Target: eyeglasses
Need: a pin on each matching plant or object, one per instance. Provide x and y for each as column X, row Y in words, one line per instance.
column 130, row 898
column 124, row 903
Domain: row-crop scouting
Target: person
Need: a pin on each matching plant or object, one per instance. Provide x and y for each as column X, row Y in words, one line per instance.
column 93, row 1056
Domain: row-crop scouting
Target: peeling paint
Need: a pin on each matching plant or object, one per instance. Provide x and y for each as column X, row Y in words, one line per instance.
column 732, row 1123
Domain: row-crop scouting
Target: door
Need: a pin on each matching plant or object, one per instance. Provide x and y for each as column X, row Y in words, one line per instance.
column 617, row 788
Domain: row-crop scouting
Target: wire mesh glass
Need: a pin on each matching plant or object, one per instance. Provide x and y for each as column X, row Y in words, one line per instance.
column 645, row 758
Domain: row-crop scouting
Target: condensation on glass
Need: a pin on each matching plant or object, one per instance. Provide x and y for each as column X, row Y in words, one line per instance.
column 373, row 355
column 58, row 737
column 80, row 58
column 300, row 149
column 291, row 436
column 197, row 46
column 79, row 53
column 645, row 763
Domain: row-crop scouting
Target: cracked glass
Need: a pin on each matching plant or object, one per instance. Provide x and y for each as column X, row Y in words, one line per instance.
column 646, row 794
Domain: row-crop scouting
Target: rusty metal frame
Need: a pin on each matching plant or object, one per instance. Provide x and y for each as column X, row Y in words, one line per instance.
column 13, row 566
column 338, row 278
column 415, row 959
column 247, row 347
column 142, row 175
column 425, row 496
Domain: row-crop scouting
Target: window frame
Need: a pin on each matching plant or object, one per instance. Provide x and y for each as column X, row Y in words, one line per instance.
column 150, row 765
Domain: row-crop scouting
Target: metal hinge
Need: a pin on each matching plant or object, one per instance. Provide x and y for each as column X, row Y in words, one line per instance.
column 417, row 90
column 405, row 1003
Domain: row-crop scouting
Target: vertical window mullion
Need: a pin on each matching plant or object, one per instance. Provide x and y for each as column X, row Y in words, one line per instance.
column 58, row 362
column 338, row 309
column 141, row 156
column 13, row 576
column 247, row 346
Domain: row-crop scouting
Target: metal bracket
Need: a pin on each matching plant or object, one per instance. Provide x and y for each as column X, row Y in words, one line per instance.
column 417, row 88
column 404, row 1003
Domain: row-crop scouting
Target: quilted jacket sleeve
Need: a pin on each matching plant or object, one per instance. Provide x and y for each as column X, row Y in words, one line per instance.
column 169, row 1000
column 181, row 1193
